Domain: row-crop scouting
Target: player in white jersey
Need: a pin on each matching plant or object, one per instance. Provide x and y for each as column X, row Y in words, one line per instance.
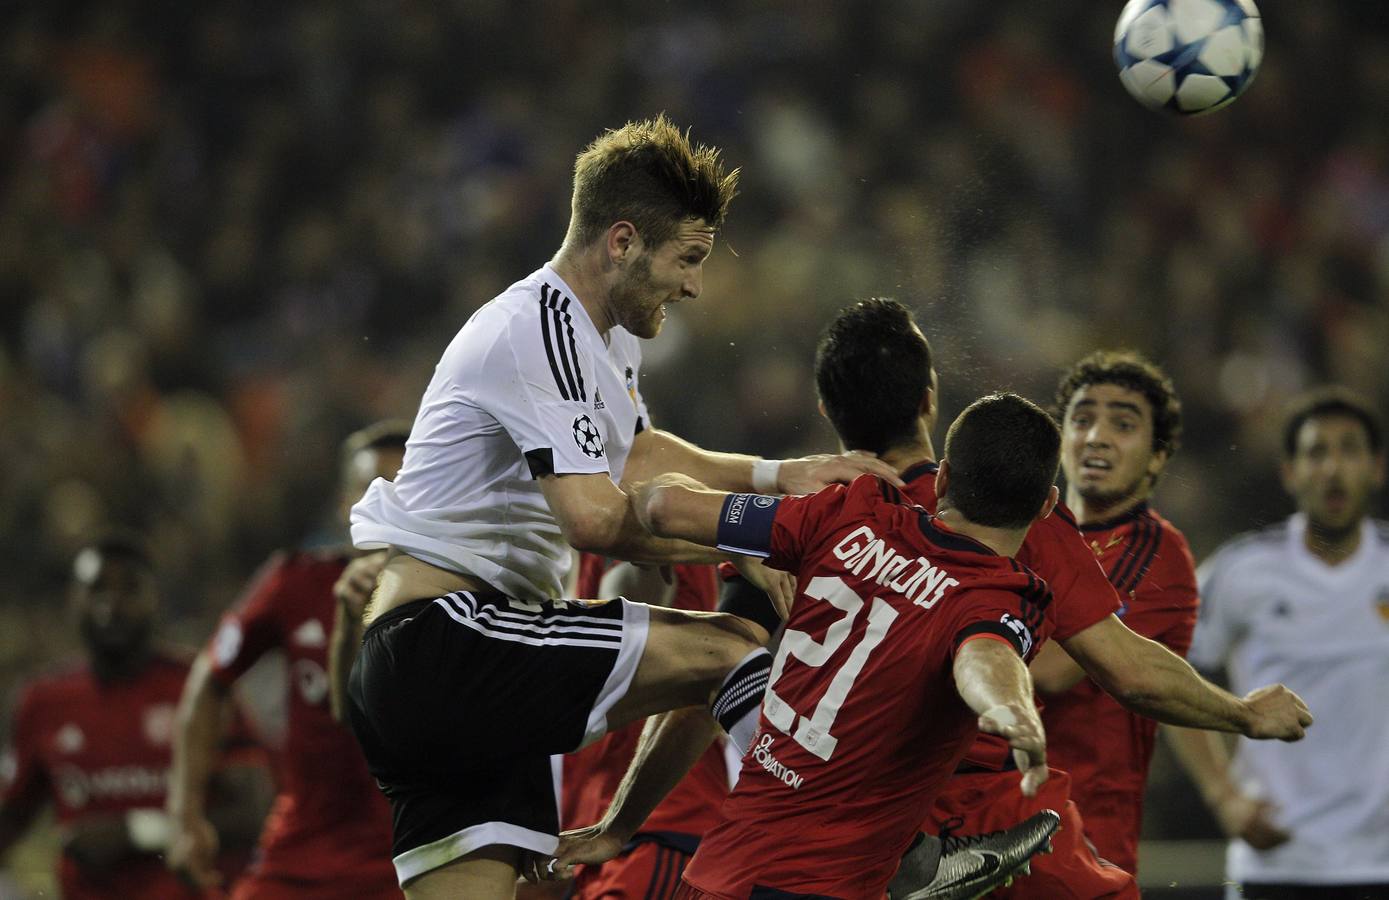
column 472, row 673
column 1306, row 602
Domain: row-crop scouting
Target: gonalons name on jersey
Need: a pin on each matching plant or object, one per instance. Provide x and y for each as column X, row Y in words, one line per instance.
column 873, row 559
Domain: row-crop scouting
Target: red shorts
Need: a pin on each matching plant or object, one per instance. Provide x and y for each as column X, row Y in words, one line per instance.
column 260, row 886
column 992, row 801
column 649, row 870
column 1113, row 820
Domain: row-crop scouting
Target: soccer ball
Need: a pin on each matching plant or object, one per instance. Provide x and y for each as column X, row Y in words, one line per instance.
column 1188, row 56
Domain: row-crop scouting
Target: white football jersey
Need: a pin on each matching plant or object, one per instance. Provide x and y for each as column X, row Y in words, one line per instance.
column 527, row 387
column 1273, row 612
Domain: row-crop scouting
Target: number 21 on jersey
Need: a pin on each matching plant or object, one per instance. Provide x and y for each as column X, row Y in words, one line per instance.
column 814, row 732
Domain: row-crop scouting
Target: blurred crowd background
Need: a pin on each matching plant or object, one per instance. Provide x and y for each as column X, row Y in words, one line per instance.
column 231, row 232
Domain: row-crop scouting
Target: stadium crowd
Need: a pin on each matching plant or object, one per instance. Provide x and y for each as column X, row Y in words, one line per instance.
column 232, row 232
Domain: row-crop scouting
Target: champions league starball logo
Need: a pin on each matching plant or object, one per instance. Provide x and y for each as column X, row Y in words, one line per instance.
column 587, row 437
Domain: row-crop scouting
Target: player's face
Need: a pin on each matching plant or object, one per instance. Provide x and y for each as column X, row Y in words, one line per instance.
column 364, row 468
column 1333, row 471
column 667, row 273
column 115, row 601
column 1107, row 444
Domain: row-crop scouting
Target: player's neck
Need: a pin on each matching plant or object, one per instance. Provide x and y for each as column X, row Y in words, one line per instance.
column 1088, row 512
column 117, row 667
column 583, row 274
column 904, row 456
column 1003, row 541
column 1332, row 545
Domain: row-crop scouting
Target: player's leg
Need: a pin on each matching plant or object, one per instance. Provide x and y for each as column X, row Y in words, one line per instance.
column 694, row 659
column 488, row 873
column 331, row 886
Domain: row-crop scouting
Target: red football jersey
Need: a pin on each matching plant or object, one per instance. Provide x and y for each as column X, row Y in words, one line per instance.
column 861, row 722
column 1105, row 747
column 97, row 748
column 592, row 774
column 329, row 821
column 1055, row 550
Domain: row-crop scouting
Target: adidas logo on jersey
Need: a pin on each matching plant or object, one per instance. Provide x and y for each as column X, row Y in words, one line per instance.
column 598, row 401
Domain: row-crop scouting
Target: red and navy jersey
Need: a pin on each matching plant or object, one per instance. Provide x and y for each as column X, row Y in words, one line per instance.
column 96, row 748
column 861, row 722
column 591, row 775
column 1056, row 550
column 328, row 819
column 1105, row 747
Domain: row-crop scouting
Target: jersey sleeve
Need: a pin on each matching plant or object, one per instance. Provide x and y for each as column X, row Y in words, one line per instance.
column 1217, row 626
column 539, row 387
column 1013, row 618
column 253, row 625
column 23, row 778
column 1056, row 551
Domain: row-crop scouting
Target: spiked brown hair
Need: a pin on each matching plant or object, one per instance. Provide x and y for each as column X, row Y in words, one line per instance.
column 648, row 173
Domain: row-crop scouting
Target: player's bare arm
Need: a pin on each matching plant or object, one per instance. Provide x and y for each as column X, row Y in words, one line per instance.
column 1054, row 671
column 993, row 681
column 1206, row 758
column 678, row 507
column 207, row 805
column 352, row 590
column 1151, row 680
column 18, row 811
column 595, row 516
column 655, row 452
column 670, row 746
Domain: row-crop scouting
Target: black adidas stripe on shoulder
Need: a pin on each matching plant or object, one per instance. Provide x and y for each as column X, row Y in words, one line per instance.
column 1142, row 539
column 557, row 329
column 1142, row 558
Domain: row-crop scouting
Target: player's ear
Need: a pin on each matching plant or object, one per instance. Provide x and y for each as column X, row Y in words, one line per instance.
column 942, row 479
column 930, row 401
column 1157, row 462
column 820, row 405
column 622, row 241
column 1049, row 504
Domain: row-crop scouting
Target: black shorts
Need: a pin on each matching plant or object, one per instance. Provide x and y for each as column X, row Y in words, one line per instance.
column 460, row 702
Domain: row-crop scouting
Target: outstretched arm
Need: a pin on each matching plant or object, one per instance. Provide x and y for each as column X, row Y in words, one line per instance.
column 1152, row 681
column 656, row 452
column 993, row 681
column 197, row 734
column 352, row 590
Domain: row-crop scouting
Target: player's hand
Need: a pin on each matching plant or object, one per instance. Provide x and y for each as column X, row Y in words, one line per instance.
column 589, row 846
column 1022, row 728
column 1276, row 712
column 810, row 473
column 354, row 586
column 779, row 585
column 192, row 852
column 1251, row 820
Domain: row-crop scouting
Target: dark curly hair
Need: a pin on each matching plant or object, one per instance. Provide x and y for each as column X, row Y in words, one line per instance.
column 1128, row 369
